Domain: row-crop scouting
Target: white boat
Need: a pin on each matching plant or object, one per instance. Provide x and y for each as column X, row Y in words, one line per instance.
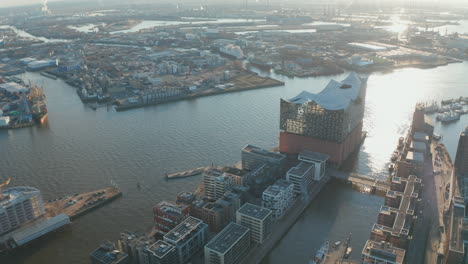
column 449, row 117
column 437, row 137
column 321, row 254
column 456, row 106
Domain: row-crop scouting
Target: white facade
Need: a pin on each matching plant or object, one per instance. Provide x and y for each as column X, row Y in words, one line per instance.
column 216, row 184
column 302, row 176
column 278, row 197
column 257, row 219
column 19, row 205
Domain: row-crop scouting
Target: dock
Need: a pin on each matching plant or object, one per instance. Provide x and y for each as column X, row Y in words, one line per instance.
column 80, row 204
column 185, row 174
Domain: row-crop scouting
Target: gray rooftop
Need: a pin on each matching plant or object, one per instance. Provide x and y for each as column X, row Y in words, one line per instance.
column 263, row 152
column 222, row 242
column 301, row 169
column 420, row 136
column 415, row 156
column 385, row 251
column 307, row 155
column 254, row 211
column 160, row 248
column 280, row 186
column 185, row 229
column 106, row 253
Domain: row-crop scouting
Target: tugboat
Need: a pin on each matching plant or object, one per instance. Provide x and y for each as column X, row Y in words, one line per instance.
column 321, row 254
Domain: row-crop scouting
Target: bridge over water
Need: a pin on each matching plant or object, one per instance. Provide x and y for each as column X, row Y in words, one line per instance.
column 356, row 178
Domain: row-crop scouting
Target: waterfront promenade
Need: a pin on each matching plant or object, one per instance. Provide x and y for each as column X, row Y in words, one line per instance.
column 281, row 227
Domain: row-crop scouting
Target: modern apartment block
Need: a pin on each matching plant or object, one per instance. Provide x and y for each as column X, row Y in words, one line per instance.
column 253, row 157
column 161, row 252
column 382, row 253
column 229, row 246
column 216, row 183
column 302, row 176
column 278, row 197
column 257, row 219
column 328, row 122
column 168, row 215
column 135, row 245
column 318, row 159
column 19, row 205
column 189, row 238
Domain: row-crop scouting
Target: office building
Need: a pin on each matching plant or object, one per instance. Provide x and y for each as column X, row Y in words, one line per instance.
column 168, row 215
column 229, row 246
column 278, row 197
column 253, row 157
column 19, row 205
column 216, row 183
column 189, row 238
column 382, row 253
column 161, row 252
column 185, row 198
column 328, row 122
column 257, row 219
column 106, row 253
column 302, row 176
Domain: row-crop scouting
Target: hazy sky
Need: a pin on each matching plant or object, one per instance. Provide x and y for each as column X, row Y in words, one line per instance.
column 8, row 3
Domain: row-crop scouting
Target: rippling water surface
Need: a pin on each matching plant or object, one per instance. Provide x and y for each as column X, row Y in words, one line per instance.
column 81, row 150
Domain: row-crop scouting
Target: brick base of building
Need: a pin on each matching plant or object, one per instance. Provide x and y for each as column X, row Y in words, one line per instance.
column 293, row 144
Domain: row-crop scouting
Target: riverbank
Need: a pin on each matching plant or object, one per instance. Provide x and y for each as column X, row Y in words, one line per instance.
column 241, row 83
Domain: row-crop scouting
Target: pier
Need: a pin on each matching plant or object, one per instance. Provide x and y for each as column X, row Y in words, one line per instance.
column 79, row 204
column 185, row 174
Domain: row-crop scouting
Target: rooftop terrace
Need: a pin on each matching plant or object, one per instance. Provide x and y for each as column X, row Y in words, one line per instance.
column 222, row 242
column 254, row 211
column 185, row 229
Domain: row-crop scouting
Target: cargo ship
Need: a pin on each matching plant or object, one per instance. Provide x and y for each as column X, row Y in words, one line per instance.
column 37, row 100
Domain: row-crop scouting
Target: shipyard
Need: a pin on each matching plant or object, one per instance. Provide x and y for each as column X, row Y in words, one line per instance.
column 236, row 133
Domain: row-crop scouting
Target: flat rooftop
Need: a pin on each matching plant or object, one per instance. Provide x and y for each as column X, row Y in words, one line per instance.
column 456, row 218
column 160, row 248
column 415, row 156
column 254, row 211
column 222, row 242
column 185, row 229
column 301, row 169
column 263, row 152
column 384, row 251
column 280, row 186
column 308, row 155
column 420, row 136
column 404, row 212
column 419, row 146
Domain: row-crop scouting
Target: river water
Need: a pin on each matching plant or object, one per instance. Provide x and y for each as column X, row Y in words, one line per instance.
column 80, row 150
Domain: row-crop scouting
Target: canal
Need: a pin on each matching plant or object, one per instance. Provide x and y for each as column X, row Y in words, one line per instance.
column 81, row 149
